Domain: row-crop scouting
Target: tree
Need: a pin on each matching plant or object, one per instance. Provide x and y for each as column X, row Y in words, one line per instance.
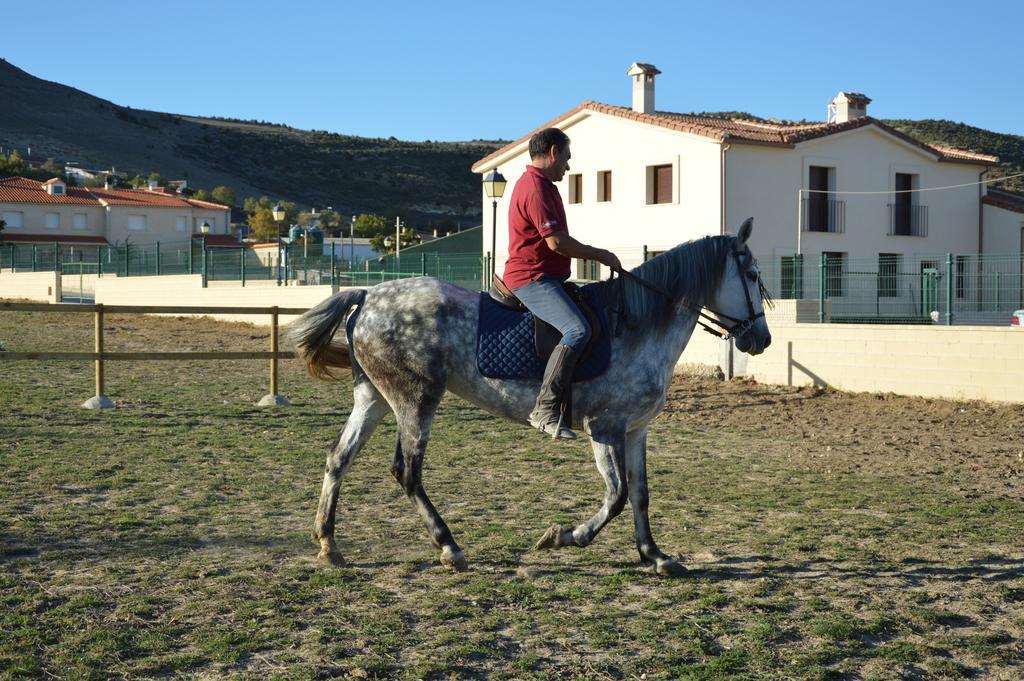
column 370, row 225
column 51, row 167
column 15, row 164
column 251, row 204
column 261, row 219
column 262, row 224
column 330, row 220
column 203, row 195
column 224, row 195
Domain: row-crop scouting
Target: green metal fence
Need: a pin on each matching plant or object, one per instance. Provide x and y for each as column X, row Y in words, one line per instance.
column 287, row 264
column 943, row 288
column 902, row 289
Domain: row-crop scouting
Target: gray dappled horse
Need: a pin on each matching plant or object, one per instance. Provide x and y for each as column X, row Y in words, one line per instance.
column 414, row 339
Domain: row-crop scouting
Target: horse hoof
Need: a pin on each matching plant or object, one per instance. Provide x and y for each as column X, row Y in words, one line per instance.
column 552, row 539
column 670, row 567
column 454, row 559
column 331, row 557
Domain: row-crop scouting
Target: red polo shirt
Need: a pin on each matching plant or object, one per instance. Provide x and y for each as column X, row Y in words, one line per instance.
column 535, row 212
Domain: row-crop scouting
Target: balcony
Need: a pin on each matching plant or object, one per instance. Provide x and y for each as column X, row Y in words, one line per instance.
column 907, row 219
column 821, row 214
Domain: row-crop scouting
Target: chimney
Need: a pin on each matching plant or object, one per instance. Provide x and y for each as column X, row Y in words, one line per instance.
column 847, row 106
column 643, row 86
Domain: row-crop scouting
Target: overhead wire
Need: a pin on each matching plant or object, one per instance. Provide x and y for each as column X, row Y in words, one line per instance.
column 908, row 191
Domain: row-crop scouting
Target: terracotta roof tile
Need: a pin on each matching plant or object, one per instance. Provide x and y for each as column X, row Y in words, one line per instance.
column 24, row 190
column 205, row 204
column 12, row 237
column 1005, row 200
column 220, row 240
column 747, row 131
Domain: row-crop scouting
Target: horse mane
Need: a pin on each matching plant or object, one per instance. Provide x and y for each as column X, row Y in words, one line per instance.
column 691, row 272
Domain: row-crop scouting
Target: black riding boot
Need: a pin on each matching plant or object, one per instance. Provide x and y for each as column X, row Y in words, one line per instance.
column 547, row 413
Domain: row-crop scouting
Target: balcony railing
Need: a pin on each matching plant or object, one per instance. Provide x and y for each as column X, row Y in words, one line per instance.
column 906, row 219
column 823, row 215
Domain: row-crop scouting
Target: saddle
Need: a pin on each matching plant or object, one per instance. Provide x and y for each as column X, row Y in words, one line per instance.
column 512, row 343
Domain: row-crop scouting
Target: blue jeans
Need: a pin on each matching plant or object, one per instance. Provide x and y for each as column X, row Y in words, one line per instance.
column 546, row 299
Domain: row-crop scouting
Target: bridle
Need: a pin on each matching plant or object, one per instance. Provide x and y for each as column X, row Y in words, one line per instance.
column 738, row 327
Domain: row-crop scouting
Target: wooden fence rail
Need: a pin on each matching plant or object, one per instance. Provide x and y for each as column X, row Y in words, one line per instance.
column 99, row 355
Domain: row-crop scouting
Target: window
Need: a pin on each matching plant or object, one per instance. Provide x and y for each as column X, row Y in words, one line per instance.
column 961, row 276
column 58, row 189
column 835, row 271
column 659, row 184
column 588, row 269
column 13, row 218
column 822, row 211
column 136, row 223
column 181, row 223
column 903, row 204
column 576, row 188
column 888, row 274
column 604, row 186
column 53, row 221
column 80, row 221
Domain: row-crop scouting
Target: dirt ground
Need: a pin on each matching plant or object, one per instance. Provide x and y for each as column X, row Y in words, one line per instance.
column 829, row 429
column 827, row 534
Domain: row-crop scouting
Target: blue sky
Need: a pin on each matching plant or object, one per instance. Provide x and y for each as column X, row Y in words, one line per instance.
column 460, row 70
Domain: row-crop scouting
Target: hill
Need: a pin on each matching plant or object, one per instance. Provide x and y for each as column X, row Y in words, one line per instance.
column 1009, row 148
column 421, row 180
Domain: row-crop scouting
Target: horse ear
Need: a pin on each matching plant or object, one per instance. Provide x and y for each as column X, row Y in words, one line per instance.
column 745, row 229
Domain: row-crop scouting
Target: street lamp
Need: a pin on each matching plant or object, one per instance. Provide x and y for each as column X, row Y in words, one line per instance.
column 278, row 214
column 398, row 244
column 204, row 229
column 352, row 242
column 494, row 187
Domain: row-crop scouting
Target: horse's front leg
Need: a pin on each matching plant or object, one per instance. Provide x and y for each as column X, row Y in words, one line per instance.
column 609, row 444
column 636, row 477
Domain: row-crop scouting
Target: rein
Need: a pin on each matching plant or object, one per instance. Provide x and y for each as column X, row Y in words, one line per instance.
column 739, row 326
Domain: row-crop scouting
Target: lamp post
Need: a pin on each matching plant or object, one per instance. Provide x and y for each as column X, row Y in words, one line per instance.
column 398, row 244
column 352, row 243
column 278, row 214
column 204, row 229
column 494, row 187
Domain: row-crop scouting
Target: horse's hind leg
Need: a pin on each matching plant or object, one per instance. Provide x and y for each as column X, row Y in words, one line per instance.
column 407, row 467
column 609, row 453
column 367, row 412
column 636, row 477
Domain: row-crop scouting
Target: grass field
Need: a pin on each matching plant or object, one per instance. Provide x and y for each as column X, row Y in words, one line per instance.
column 828, row 536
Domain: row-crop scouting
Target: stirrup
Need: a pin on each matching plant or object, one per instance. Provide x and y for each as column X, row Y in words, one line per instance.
column 555, row 429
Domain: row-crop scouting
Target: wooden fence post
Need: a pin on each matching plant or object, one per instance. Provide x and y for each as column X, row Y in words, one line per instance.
column 99, row 400
column 273, row 399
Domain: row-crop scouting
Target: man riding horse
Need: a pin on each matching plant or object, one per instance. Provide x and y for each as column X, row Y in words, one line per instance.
column 539, row 257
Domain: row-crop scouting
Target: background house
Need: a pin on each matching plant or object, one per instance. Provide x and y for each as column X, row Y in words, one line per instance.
column 53, row 212
column 848, row 189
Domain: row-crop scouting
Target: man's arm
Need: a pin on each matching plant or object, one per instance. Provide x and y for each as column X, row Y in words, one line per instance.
column 563, row 244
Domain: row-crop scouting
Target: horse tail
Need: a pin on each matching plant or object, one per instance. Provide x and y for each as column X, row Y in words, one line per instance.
column 313, row 334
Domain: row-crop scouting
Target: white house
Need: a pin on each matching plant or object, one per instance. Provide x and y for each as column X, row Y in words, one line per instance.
column 643, row 180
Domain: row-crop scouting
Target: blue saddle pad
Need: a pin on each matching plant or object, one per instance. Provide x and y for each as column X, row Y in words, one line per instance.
column 505, row 346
